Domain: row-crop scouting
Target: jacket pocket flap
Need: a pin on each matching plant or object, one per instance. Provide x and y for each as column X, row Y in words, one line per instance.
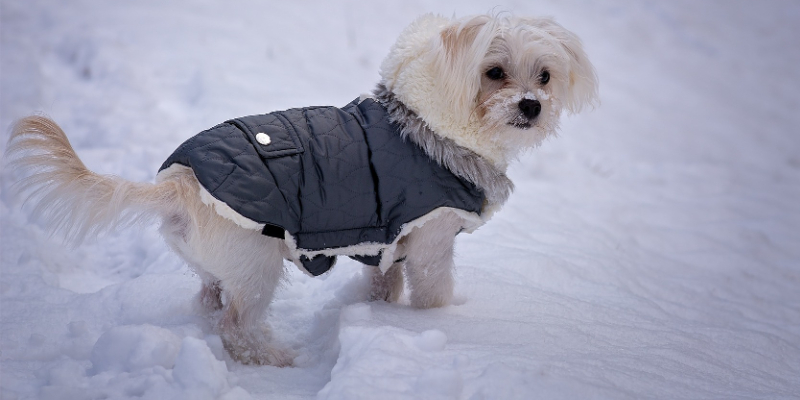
column 270, row 135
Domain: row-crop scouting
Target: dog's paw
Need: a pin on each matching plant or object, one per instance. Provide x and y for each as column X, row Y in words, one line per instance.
column 386, row 286
column 247, row 352
column 254, row 346
column 380, row 293
column 430, row 300
column 209, row 299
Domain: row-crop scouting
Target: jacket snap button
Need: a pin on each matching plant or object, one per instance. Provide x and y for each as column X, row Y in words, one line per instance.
column 263, row 138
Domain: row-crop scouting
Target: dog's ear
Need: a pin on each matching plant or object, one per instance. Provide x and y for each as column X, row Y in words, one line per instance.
column 457, row 38
column 583, row 81
column 463, row 46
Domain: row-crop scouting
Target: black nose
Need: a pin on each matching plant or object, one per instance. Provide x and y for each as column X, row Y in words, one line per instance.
column 530, row 108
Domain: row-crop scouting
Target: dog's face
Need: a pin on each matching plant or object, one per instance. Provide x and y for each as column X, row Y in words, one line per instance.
column 496, row 85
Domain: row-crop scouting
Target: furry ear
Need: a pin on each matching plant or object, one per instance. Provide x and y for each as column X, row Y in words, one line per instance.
column 464, row 44
column 459, row 36
column 583, row 83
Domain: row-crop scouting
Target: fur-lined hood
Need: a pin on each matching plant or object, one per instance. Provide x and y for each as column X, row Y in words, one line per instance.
column 460, row 160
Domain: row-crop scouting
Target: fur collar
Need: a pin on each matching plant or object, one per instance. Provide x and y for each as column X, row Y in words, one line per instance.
column 461, row 161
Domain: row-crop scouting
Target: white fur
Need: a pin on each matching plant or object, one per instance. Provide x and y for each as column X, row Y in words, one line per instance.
column 437, row 69
column 442, row 89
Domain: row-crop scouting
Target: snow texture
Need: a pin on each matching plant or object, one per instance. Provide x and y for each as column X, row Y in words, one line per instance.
column 650, row 251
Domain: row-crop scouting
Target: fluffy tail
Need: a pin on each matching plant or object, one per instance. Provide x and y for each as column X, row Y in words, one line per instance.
column 68, row 196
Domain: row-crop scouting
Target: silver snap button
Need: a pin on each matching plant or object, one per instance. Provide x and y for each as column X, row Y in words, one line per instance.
column 263, row 138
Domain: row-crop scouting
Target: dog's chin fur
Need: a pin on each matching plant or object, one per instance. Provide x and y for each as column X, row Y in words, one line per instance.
column 436, row 87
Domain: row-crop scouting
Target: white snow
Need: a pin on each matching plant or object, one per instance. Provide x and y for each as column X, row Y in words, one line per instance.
column 650, row 251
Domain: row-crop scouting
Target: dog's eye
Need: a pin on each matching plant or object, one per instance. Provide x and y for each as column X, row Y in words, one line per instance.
column 544, row 77
column 496, row 74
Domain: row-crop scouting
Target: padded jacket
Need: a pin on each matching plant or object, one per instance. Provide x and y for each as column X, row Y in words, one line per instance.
column 329, row 177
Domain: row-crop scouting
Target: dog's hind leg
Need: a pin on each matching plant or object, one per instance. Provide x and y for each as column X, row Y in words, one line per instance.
column 209, row 299
column 176, row 230
column 386, row 286
column 240, row 265
column 249, row 269
column 248, row 277
column 248, row 293
column 429, row 261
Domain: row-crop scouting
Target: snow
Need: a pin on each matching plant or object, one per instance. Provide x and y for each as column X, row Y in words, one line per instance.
column 650, row 251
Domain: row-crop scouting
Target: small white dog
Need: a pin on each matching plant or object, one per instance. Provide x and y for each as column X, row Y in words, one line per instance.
column 390, row 179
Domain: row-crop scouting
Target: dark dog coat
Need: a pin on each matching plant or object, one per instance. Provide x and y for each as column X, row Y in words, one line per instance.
column 330, row 178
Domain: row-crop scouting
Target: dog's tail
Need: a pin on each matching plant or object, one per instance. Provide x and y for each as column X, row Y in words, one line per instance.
column 68, row 196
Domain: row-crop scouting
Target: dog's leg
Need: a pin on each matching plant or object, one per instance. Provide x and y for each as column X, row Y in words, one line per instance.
column 386, row 286
column 429, row 262
column 249, row 293
column 242, row 264
column 209, row 299
column 176, row 229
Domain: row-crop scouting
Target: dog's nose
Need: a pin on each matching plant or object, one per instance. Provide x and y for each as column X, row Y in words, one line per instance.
column 530, row 108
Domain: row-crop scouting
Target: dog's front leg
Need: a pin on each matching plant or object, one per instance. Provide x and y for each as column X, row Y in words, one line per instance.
column 429, row 261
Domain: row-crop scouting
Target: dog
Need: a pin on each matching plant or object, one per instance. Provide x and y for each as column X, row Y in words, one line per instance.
column 388, row 180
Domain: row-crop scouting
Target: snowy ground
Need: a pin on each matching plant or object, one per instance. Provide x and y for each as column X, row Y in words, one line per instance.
column 651, row 251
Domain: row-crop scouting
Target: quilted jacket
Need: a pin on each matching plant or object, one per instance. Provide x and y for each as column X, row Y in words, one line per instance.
column 329, row 177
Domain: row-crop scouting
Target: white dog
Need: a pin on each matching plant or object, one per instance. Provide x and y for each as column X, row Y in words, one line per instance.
column 458, row 98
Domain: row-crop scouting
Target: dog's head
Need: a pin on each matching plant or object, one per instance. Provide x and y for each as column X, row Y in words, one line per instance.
column 496, row 85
